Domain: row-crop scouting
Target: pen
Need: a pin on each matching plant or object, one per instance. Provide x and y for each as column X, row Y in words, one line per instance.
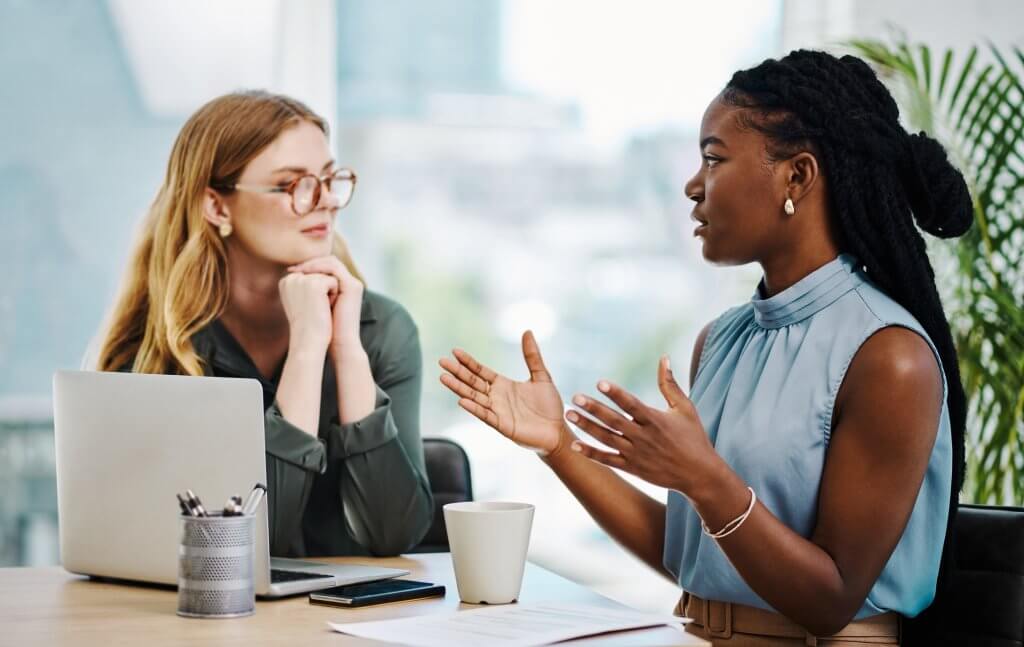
column 231, row 508
column 254, row 499
column 185, row 509
column 197, row 507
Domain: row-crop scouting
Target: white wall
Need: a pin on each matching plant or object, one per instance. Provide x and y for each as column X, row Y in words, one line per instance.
column 939, row 23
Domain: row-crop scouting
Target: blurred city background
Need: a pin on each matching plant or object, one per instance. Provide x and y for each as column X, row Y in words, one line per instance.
column 521, row 165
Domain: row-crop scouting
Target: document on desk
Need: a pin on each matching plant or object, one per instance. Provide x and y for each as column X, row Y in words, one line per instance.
column 511, row 625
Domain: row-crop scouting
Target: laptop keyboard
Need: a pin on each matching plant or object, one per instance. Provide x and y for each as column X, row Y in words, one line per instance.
column 278, row 576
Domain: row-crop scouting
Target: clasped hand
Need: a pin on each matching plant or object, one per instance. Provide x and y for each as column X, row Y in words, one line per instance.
column 322, row 301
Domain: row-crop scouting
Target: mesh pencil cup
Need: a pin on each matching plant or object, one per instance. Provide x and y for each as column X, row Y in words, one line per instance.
column 215, row 578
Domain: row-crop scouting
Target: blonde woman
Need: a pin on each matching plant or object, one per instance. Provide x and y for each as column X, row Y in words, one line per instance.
column 239, row 274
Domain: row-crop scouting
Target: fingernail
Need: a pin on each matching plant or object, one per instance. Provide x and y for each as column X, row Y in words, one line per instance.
column 572, row 416
column 579, row 400
column 603, row 386
column 575, row 446
column 668, row 365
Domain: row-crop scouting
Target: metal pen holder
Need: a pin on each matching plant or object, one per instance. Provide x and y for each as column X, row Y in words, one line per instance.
column 215, row 577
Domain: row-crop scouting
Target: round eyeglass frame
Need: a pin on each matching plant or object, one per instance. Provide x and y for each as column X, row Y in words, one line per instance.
column 342, row 174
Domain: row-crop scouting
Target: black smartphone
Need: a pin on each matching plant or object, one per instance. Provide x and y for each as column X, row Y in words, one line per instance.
column 361, row 595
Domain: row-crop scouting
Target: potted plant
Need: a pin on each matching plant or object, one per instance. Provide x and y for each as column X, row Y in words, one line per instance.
column 973, row 102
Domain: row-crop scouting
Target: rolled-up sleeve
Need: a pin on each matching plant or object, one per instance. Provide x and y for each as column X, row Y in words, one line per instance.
column 384, row 490
column 294, row 457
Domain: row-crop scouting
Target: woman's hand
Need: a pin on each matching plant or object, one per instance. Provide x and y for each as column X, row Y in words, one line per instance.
column 345, row 308
column 307, row 304
column 665, row 447
column 529, row 413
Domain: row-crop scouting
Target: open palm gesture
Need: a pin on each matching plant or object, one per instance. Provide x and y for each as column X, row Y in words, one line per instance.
column 529, row 413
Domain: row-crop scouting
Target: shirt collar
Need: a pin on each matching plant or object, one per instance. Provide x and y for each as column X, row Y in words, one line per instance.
column 807, row 296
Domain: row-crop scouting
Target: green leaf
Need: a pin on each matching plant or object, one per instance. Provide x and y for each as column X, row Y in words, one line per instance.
column 965, row 73
column 982, row 86
column 981, row 106
column 947, row 60
column 926, row 63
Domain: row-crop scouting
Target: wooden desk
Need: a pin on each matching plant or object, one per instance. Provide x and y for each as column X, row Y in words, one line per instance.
column 49, row 606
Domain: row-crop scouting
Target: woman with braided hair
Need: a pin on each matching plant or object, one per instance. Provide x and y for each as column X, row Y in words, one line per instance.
column 813, row 470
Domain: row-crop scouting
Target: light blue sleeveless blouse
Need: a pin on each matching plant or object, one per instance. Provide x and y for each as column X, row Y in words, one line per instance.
column 765, row 388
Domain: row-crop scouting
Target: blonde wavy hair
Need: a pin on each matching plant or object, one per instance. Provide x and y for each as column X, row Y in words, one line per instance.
column 177, row 279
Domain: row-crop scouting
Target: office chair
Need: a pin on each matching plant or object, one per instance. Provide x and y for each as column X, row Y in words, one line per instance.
column 983, row 604
column 450, row 481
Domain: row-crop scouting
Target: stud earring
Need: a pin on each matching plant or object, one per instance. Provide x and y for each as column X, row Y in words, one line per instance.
column 788, row 207
column 225, row 229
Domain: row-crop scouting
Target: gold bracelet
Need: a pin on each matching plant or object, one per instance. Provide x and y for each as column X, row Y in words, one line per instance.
column 733, row 525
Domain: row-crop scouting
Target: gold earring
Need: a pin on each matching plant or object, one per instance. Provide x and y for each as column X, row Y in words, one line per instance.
column 225, row 229
column 788, row 207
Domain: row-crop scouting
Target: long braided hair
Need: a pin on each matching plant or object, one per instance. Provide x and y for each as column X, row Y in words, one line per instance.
column 881, row 180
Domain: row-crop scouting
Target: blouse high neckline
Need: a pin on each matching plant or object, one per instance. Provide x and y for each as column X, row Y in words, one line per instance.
column 807, row 296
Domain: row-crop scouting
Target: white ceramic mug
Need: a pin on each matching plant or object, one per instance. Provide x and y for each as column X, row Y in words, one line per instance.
column 488, row 542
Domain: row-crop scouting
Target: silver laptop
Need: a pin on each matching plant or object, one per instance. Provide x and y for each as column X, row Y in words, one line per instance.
column 126, row 443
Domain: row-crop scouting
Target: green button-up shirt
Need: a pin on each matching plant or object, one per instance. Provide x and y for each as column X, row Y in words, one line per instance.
column 355, row 489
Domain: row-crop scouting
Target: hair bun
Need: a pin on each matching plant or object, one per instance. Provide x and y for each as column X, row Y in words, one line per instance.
column 937, row 191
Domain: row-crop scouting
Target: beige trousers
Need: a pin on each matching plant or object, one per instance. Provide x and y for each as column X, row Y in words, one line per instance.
column 737, row 625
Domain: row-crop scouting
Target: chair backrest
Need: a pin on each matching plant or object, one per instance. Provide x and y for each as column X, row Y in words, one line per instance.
column 450, row 482
column 983, row 603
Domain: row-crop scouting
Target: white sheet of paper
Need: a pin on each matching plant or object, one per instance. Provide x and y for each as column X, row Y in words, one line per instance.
column 512, row 625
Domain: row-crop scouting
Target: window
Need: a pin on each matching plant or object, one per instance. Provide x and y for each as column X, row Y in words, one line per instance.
column 521, row 165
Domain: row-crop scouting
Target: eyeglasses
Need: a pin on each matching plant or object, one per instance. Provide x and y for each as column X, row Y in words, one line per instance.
column 305, row 190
